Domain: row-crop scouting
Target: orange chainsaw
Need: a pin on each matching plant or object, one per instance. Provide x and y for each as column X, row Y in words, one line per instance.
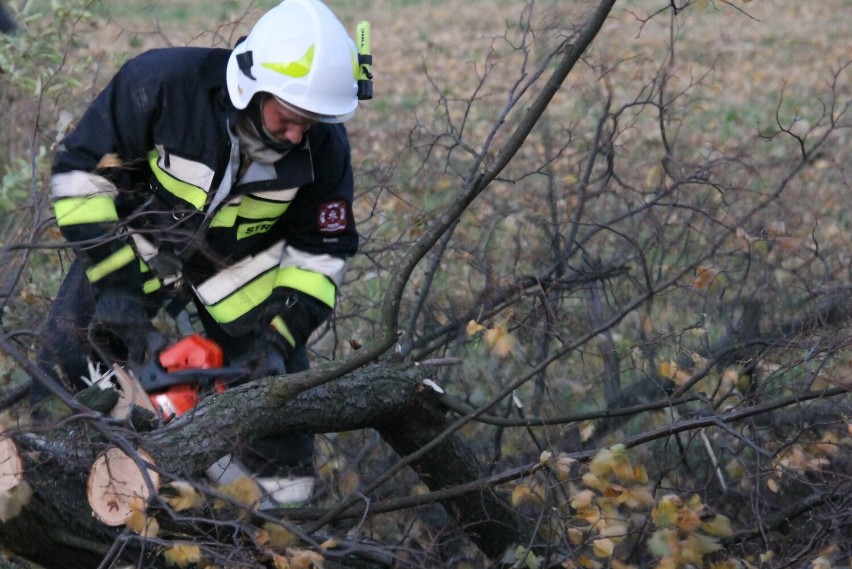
column 184, row 373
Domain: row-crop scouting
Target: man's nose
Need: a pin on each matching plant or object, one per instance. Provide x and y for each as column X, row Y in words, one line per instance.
column 295, row 133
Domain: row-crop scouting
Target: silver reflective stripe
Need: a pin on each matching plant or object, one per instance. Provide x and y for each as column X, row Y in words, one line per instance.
column 78, row 184
column 277, row 195
column 219, row 286
column 332, row 267
column 257, row 172
column 144, row 248
column 148, row 251
column 194, row 173
column 230, row 173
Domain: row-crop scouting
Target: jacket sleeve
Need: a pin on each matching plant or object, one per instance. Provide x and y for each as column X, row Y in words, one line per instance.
column 91, row 166
column 320, row 233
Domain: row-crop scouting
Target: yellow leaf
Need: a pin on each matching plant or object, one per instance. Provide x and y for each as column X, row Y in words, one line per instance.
column 719, row 526
column 500, row 340
column 601, row 464
column 623, row 470
column 522, row 494
column 304, row 559
column 182, row 554
column 279, row 537
column 614, row 530
column 181, row 496
column 639, row 497
column 575, row 535
column 701, row 545
column 665, row 514
column 594, row 482
column 243, row 490
column 582, row 499
column 603, row 547
column 139, row 521
column 590, row 515
column 473, row 328
column 640, row 475
column 330, row 543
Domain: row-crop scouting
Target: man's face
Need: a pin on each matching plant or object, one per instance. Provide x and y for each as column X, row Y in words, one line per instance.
column 283, row 124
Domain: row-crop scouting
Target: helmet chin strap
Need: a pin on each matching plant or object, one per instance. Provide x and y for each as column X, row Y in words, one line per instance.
column 254, row 114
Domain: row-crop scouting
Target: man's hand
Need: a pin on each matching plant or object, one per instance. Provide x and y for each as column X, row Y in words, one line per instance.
column 266, row 356
column 98, row 399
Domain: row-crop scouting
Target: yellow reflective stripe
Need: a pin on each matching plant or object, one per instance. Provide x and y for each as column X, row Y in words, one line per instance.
column 93, row 209
column 281, row 327
column 225, row 217
column 244, row 299
column 111, row 264
column 187, row 192
column 252, row 229
column 151, row 286
column 308, row 282
column 252, row 208
column 298, row 68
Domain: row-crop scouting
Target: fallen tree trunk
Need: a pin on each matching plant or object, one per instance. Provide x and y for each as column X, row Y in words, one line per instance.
column 55, row 525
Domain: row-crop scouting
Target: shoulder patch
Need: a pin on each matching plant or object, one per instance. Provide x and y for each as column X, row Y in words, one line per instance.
column 332, row 217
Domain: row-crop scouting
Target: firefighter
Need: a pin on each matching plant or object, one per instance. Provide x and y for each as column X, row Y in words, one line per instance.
column 216, row 177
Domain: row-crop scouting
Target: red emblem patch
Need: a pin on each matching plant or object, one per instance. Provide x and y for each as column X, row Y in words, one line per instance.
column 332, row 217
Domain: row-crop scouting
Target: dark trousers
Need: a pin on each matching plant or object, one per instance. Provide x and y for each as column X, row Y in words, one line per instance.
column 65, row 345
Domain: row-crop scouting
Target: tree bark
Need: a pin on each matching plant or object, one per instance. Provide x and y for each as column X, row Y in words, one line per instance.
column 382, row 395
column 485, row 516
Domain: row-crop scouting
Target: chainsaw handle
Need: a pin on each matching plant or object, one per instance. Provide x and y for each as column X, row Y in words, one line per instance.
column 154, row 377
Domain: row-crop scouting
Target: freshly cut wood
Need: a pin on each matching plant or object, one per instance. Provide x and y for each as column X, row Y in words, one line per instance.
column 11, row 468
column 115, row 481
column 132, row 393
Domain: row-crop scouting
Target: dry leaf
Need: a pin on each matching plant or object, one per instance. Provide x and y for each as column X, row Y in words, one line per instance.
column 500, row 341
column 473, row 328
column 719, row 526
column 279, row 537
column 705, row 277
column 305, row 559
column 182, row 554
column 330, row 543
column 582, row 500
column 603, row 547
column 521, row 494
column 138, row 519
column 181, row 496
column 243, row 490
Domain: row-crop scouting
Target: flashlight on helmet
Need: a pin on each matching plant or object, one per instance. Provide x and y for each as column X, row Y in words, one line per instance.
column 365, row 61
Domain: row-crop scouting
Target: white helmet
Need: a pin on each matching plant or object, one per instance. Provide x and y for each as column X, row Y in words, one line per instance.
column 300, row 53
